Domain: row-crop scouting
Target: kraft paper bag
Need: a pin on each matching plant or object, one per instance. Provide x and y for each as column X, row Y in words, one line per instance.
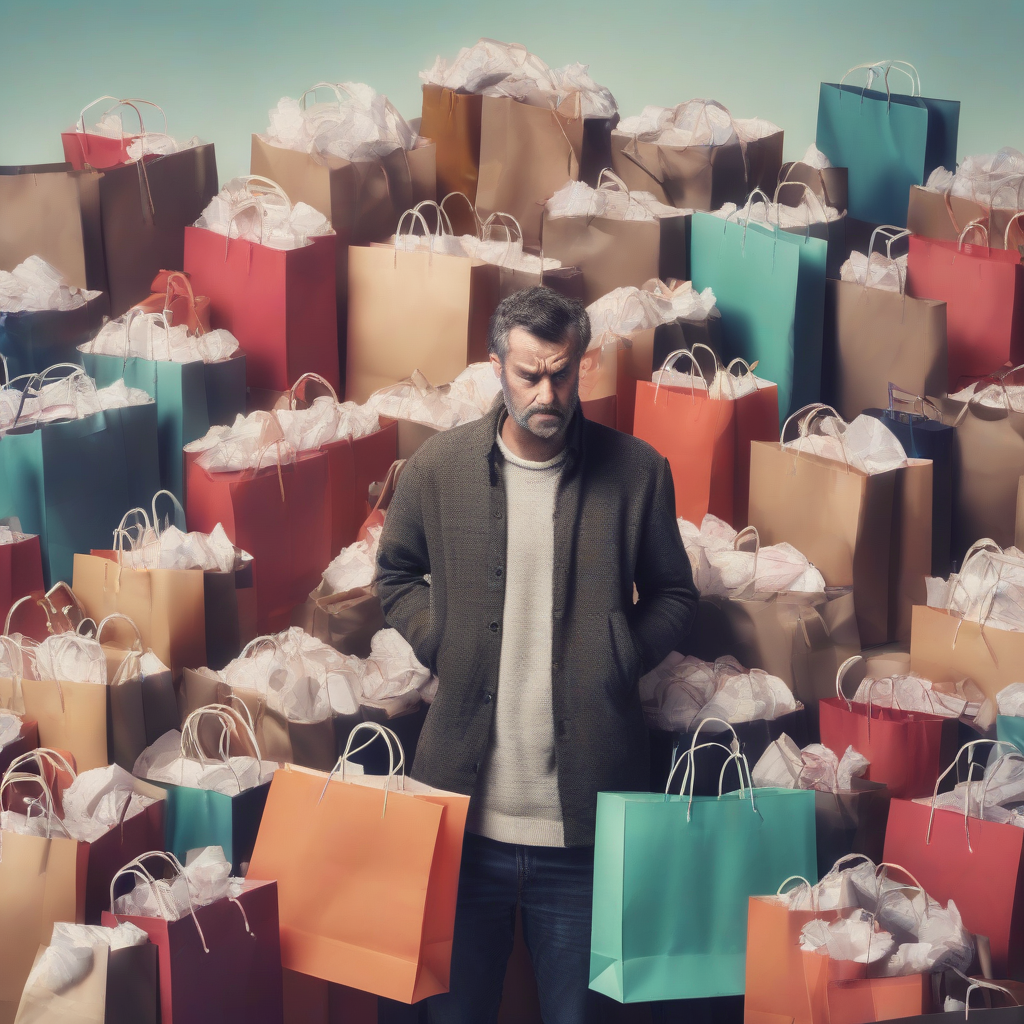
column 527, row 153
column 941, row 215
column 51, row 211
column 869, row 532
column 698, row 177
column 830, row 184
column 801, row 638
column 415, row 311
column 367, row 898
column 452, row 121
column 880, row 337
column 72, row 717
column 988, row 461
column 346, row 621
column 618, row 253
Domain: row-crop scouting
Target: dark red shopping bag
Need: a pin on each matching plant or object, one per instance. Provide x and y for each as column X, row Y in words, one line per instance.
column 281, row 515
column 28, row 739
column 983, row 290
column 907, row 749
column 21, row 571
column 224, row 965
column 279, row 303
column 977, row 864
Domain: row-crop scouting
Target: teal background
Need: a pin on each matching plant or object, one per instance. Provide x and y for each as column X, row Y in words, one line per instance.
column 217, row 67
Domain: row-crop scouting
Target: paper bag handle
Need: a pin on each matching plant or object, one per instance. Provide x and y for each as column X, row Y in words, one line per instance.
column 390, row 737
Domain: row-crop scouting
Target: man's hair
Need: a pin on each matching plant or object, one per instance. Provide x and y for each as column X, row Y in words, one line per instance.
column 544, row 313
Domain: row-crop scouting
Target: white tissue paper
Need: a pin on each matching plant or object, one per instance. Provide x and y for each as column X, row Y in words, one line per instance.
column 205, row 879
column 159, row 144
column 465, row 399
column 626, row 311
column 34, row 285
column 696, row 122
column 251, row 442
column 913, row 693
column 784, row 765
column 848, row 938
column 681, row 692
column 1010, row 700
column 578, row 199
column 10, row 724
column 355, row 566
column 995, row 795
column 993, row 396
column 492, row 68
column 163, row 761
column 807, row 211
column 506, row 252
column 68, row 958
column 326, row 421
column 865, row 443
column 8, row 535
column 299, row 677
column 150, row 338
column 356, row 124
column 392, row 669
column 988, row 589
column 814, row 157
column 721, row 571
column 724, row 384
column 69, row 398
column 992, row 179
column 174, row 549
column 71, row 658
column 890, row 275
column 267, row 219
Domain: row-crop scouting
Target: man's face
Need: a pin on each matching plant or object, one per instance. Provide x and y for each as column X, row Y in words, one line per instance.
column 540, row 380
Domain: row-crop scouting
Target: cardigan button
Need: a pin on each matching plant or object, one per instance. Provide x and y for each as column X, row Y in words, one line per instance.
column 494, row 627
column 476, row 767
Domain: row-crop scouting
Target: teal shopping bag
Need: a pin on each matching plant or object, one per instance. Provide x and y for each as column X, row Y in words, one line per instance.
column 70, row 482
column 887, row 140
column 190, row 398
column 769, row 286
column 672, row 876
column 1011, row 729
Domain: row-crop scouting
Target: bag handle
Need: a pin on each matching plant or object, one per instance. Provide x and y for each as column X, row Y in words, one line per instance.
column 444, row 223
column 80, row 124
column 609, row 181
column 841, row 675
column 54, row 758
column 974, row 225
column 812, row 411
column 809, row 192
column 811, row 890
column 472, row 210
column 339, row 90
column 874, row 69
column 258, row 186
column 670, row 362
column 44, row 801
column 228, row 717
column 390, row 737
column 983, row 983
column 309, row 376
column 178, row 509
column 789, row 168
column 507, row 221
column 1009, row 224
column 137, row 645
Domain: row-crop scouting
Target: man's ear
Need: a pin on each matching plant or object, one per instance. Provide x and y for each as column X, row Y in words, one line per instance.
column 495, row 360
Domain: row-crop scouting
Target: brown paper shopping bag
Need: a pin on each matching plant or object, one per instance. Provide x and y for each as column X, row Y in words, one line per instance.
column 367, row 873
column 346, row 621
column 871, row 532
column 452, row 120
column 941, row 215
column 415, row 310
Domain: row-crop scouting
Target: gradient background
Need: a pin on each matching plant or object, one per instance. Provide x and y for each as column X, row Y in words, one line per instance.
column 217, row 67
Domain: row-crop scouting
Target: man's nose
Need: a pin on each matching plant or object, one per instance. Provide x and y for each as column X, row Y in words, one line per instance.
column 545, row 392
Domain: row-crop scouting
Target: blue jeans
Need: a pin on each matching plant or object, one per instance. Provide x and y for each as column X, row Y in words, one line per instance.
column 553, row 888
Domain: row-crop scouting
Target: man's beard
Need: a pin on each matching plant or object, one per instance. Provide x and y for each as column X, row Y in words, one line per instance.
column 525, row 417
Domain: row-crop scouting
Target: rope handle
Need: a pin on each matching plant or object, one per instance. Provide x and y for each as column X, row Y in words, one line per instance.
column 974, row 225
column 309, row 376
column 472, row 210
column 390, row 737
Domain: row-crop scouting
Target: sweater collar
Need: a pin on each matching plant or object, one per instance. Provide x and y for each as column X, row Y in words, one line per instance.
column 488, row 437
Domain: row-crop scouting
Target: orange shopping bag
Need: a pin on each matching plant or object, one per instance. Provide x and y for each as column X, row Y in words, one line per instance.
column 367, row 873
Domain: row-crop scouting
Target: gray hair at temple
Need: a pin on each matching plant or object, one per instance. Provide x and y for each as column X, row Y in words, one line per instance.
column 544, row 313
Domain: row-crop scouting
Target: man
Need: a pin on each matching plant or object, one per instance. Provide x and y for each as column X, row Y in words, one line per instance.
column 508, row 561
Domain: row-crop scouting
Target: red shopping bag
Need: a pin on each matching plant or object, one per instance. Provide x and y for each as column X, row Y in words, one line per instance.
column 21, row 571
column 907, row 749
column 977, row 864
column 706, row 441
column 172, row 294
column 983, row 290
column 84, row 149
column 279, row 303
column 219, row 964
column 281, row 515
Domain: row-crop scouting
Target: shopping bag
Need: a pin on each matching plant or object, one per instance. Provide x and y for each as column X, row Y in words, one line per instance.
column 876, row 337
column 988, row 461
column 528, row 151
column 871, row 532
column 229, row 600
column 415, row 310
column 32, row 340
column 172, row 295
column 91, row 149
column 278, row 515
column 367, row 875
column 924, row 436
column 801, row 638
column 346, row 621
column 1010, row 729
column 28, row 740
column 906, row 749
column 618, row 253
column 21, row 569
column 706, row 441
column 942, row 215
column 655, row 933
column 947, row 649
column 830, row 184
column 144, row 207
column 119, row 986
column 976, row 863
column 851, row 821
column 983, row 290
column 770, row 288
column 279, row 304
column 45, row 469
column 51, row 211
column 452, row 120
column 887, row 140
column 220, row 962
column 700, row 177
